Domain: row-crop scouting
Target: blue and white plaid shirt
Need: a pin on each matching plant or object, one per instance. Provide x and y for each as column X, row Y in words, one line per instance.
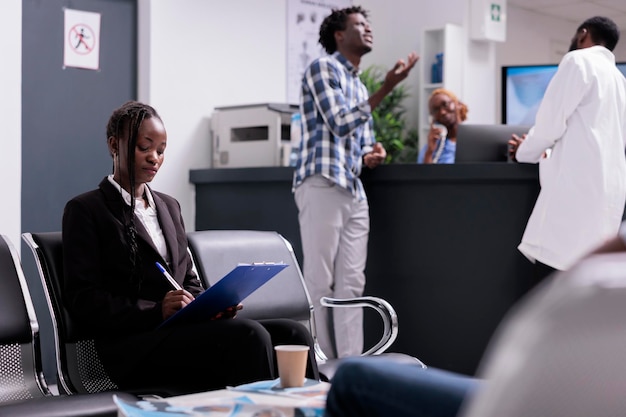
column 336, row 124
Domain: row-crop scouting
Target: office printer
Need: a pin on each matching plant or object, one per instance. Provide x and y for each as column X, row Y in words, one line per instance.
column 255, row 135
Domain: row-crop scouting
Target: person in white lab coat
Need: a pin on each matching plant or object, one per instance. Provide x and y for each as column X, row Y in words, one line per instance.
column 578, row 140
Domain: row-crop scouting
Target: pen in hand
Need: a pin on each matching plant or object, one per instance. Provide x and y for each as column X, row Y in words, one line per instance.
column 172, row 281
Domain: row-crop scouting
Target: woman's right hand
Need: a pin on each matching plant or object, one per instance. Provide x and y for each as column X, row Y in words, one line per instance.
column 174, row 301
column 433, row 135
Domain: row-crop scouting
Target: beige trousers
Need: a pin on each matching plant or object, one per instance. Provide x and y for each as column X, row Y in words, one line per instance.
column 334, row 228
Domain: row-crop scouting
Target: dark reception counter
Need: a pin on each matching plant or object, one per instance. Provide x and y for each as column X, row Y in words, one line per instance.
column 442, row 248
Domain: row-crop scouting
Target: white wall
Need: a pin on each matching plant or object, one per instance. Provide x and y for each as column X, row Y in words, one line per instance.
column 534, row 39
column 397, row 31
column 11, row 119
column 537, row 39
column 196, row 55
column 202, row 55
column 479, row 73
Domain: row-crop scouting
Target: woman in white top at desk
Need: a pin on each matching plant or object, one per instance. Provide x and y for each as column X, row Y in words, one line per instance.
column 446, row 112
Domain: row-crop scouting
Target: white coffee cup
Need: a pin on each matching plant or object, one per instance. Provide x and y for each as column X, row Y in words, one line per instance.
column 292, row 361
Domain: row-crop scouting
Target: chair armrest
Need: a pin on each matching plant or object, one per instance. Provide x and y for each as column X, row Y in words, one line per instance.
column 386, row 311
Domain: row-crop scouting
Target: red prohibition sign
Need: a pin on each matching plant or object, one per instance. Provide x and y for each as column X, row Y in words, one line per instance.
column 81, row 38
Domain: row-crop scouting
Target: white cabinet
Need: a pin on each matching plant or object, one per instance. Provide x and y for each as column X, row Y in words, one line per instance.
column 449, row 41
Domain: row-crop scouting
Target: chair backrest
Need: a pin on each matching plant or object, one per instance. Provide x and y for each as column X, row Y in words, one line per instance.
column 23, row 388
column 79, row 369
column 217, row 252
column 21, row 375
column 560, row 350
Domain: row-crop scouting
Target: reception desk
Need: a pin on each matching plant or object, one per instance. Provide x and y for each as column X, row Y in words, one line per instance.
column 442, row 248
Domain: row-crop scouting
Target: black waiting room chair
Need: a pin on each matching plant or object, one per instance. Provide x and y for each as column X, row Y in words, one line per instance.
column 23, row 389
column 79, row 369
column 216, row 252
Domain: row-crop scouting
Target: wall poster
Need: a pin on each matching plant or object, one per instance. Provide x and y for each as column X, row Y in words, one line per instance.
column 304, row 18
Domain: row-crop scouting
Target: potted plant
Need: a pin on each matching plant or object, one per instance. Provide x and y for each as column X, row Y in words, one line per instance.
column 389, row 123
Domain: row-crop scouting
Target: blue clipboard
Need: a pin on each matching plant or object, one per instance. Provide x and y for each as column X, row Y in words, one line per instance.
column 231, row 290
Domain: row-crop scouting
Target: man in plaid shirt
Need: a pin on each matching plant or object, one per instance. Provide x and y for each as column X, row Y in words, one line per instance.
column 337, row 138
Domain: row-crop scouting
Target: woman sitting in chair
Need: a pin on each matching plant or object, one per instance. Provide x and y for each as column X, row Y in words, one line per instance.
column 112, row 238
column 446, row 112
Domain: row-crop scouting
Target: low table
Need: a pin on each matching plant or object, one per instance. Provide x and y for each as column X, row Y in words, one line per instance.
column 244, row 400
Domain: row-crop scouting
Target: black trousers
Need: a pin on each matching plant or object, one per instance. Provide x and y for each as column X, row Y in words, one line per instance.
column 204, row 356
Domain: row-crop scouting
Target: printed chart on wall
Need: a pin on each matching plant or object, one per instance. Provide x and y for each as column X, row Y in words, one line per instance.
column 304, row 18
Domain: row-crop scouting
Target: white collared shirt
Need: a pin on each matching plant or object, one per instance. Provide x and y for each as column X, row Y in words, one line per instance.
column 148, row 217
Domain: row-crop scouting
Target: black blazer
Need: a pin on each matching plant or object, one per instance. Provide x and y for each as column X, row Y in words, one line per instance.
column 99, row 290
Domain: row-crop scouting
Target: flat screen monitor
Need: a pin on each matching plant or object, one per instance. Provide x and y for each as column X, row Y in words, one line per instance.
column 523, row 87
column 485, row 143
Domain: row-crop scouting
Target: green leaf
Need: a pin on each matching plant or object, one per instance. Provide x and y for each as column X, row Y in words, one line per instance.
column 388, row 117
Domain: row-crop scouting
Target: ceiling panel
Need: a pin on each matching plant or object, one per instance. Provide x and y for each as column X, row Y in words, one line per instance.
column 577, row 10
column 532, row 4
column 614, row 4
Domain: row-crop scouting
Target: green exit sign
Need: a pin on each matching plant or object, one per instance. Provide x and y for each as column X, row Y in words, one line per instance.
column 495, row 12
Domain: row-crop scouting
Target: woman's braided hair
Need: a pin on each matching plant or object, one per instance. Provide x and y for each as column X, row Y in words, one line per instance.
column 125, row 121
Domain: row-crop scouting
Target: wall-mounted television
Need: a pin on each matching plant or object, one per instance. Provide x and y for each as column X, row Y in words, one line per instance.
column 523, row 87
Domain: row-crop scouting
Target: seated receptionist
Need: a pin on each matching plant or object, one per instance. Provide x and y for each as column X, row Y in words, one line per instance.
column 446, row 112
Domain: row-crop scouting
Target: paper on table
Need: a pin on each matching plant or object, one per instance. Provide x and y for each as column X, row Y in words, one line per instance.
column 223, row 407
column 310, row 388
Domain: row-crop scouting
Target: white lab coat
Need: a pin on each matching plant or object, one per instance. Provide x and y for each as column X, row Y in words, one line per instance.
column 582, row 120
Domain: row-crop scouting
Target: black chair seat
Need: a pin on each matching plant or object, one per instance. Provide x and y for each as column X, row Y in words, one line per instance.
column 82, row 405
column 79, row 369
column 328, row 368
